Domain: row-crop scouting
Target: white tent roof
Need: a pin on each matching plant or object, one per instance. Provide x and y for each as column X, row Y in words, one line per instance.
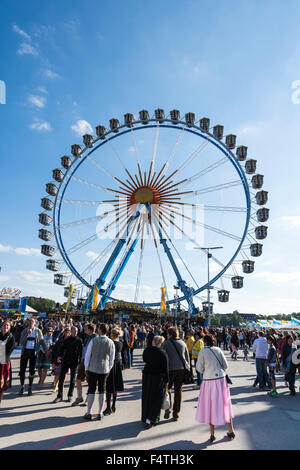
column 30, row 310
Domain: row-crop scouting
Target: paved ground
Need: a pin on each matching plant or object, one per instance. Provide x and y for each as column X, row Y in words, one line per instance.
column 261, row 422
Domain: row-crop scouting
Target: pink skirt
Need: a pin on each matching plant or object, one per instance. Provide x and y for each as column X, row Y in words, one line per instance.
column 214, row 403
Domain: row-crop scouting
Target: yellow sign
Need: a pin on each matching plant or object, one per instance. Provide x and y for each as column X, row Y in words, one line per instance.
column 163, row 300
column 95, row 298
column 70, row 296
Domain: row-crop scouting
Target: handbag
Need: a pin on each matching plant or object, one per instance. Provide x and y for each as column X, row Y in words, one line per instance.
column 188, row 378
column 166, row 402
column 228, row 379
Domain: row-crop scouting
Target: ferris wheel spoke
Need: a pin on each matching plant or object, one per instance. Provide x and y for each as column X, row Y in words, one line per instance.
column 90, row 239
column 174, row 149
column 135, row 148
column 99, row 257
column 161, row 175
column 91, row 185
column 180, row 257
column 97, row 218
column 203, row 172
column 138, row 281
column 208, row 208
column 152, row 164
column 217, row 187
column 159, row 259
column 95, row 163
column 200, row 224
column 79, row 202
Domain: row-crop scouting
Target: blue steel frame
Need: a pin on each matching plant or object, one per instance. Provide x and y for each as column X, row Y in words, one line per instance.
column 179, row 125
column 101, row 279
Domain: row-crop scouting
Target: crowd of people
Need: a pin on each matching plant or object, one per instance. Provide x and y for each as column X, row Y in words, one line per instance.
column 98, row 353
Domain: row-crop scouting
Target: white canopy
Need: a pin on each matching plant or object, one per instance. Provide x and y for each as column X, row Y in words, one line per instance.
column 30, row 309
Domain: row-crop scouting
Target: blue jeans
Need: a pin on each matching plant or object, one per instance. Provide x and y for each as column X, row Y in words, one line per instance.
column 199, row 376
column 262, row 372
column 130, row 356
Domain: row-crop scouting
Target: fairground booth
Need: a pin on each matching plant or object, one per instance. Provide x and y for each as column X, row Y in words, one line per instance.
column 11, row 304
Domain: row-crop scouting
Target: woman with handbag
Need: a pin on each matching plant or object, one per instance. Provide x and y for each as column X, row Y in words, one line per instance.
column 214, row 402
column 155, row 381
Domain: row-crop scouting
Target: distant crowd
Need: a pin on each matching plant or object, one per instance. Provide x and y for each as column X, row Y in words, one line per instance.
column 98, row 353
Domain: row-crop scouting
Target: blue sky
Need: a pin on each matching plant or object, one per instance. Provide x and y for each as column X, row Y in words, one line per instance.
column 234, row 62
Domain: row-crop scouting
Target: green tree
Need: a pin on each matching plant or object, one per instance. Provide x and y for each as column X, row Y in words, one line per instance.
column 41, row 305
column 215, row 321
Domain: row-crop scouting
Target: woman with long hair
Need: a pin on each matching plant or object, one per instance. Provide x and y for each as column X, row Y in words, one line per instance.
column 214, row 403
column 7, row 345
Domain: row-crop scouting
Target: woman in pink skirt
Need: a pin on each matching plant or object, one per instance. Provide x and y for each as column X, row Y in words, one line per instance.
column 214, row 403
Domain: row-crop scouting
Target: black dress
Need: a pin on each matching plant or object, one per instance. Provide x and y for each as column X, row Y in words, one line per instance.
column 114, row 382
column 155, row 378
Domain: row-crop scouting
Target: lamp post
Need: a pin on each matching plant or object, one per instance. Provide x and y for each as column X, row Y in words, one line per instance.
column 209, row 255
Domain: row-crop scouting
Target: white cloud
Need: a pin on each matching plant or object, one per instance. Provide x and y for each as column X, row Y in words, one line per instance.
column 92, row 254
column 42, row 89
column 82, row 127
column 4, row 278
column 6, row 248
column 279, row 278
column 20, row 31
column 38, row 101
column 50, row 74
column 179, row 262
column 292, row 220
column 72, row 26
column 194, row 70
column 27, row 49
column 34, row 277
column 20, row 251
column 27, row 251
column 41, row 126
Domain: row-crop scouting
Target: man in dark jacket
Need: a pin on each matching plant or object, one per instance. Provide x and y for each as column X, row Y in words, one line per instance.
column 70, row 358
column 179, row 360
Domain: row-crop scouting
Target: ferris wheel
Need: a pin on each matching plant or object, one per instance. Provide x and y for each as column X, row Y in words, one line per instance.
column 140, row 197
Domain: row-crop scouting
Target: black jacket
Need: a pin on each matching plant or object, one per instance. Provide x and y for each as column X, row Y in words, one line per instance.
column 157, row 362
column 71, row 350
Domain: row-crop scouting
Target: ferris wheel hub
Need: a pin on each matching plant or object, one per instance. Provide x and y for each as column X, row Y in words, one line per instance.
column 144, row 195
